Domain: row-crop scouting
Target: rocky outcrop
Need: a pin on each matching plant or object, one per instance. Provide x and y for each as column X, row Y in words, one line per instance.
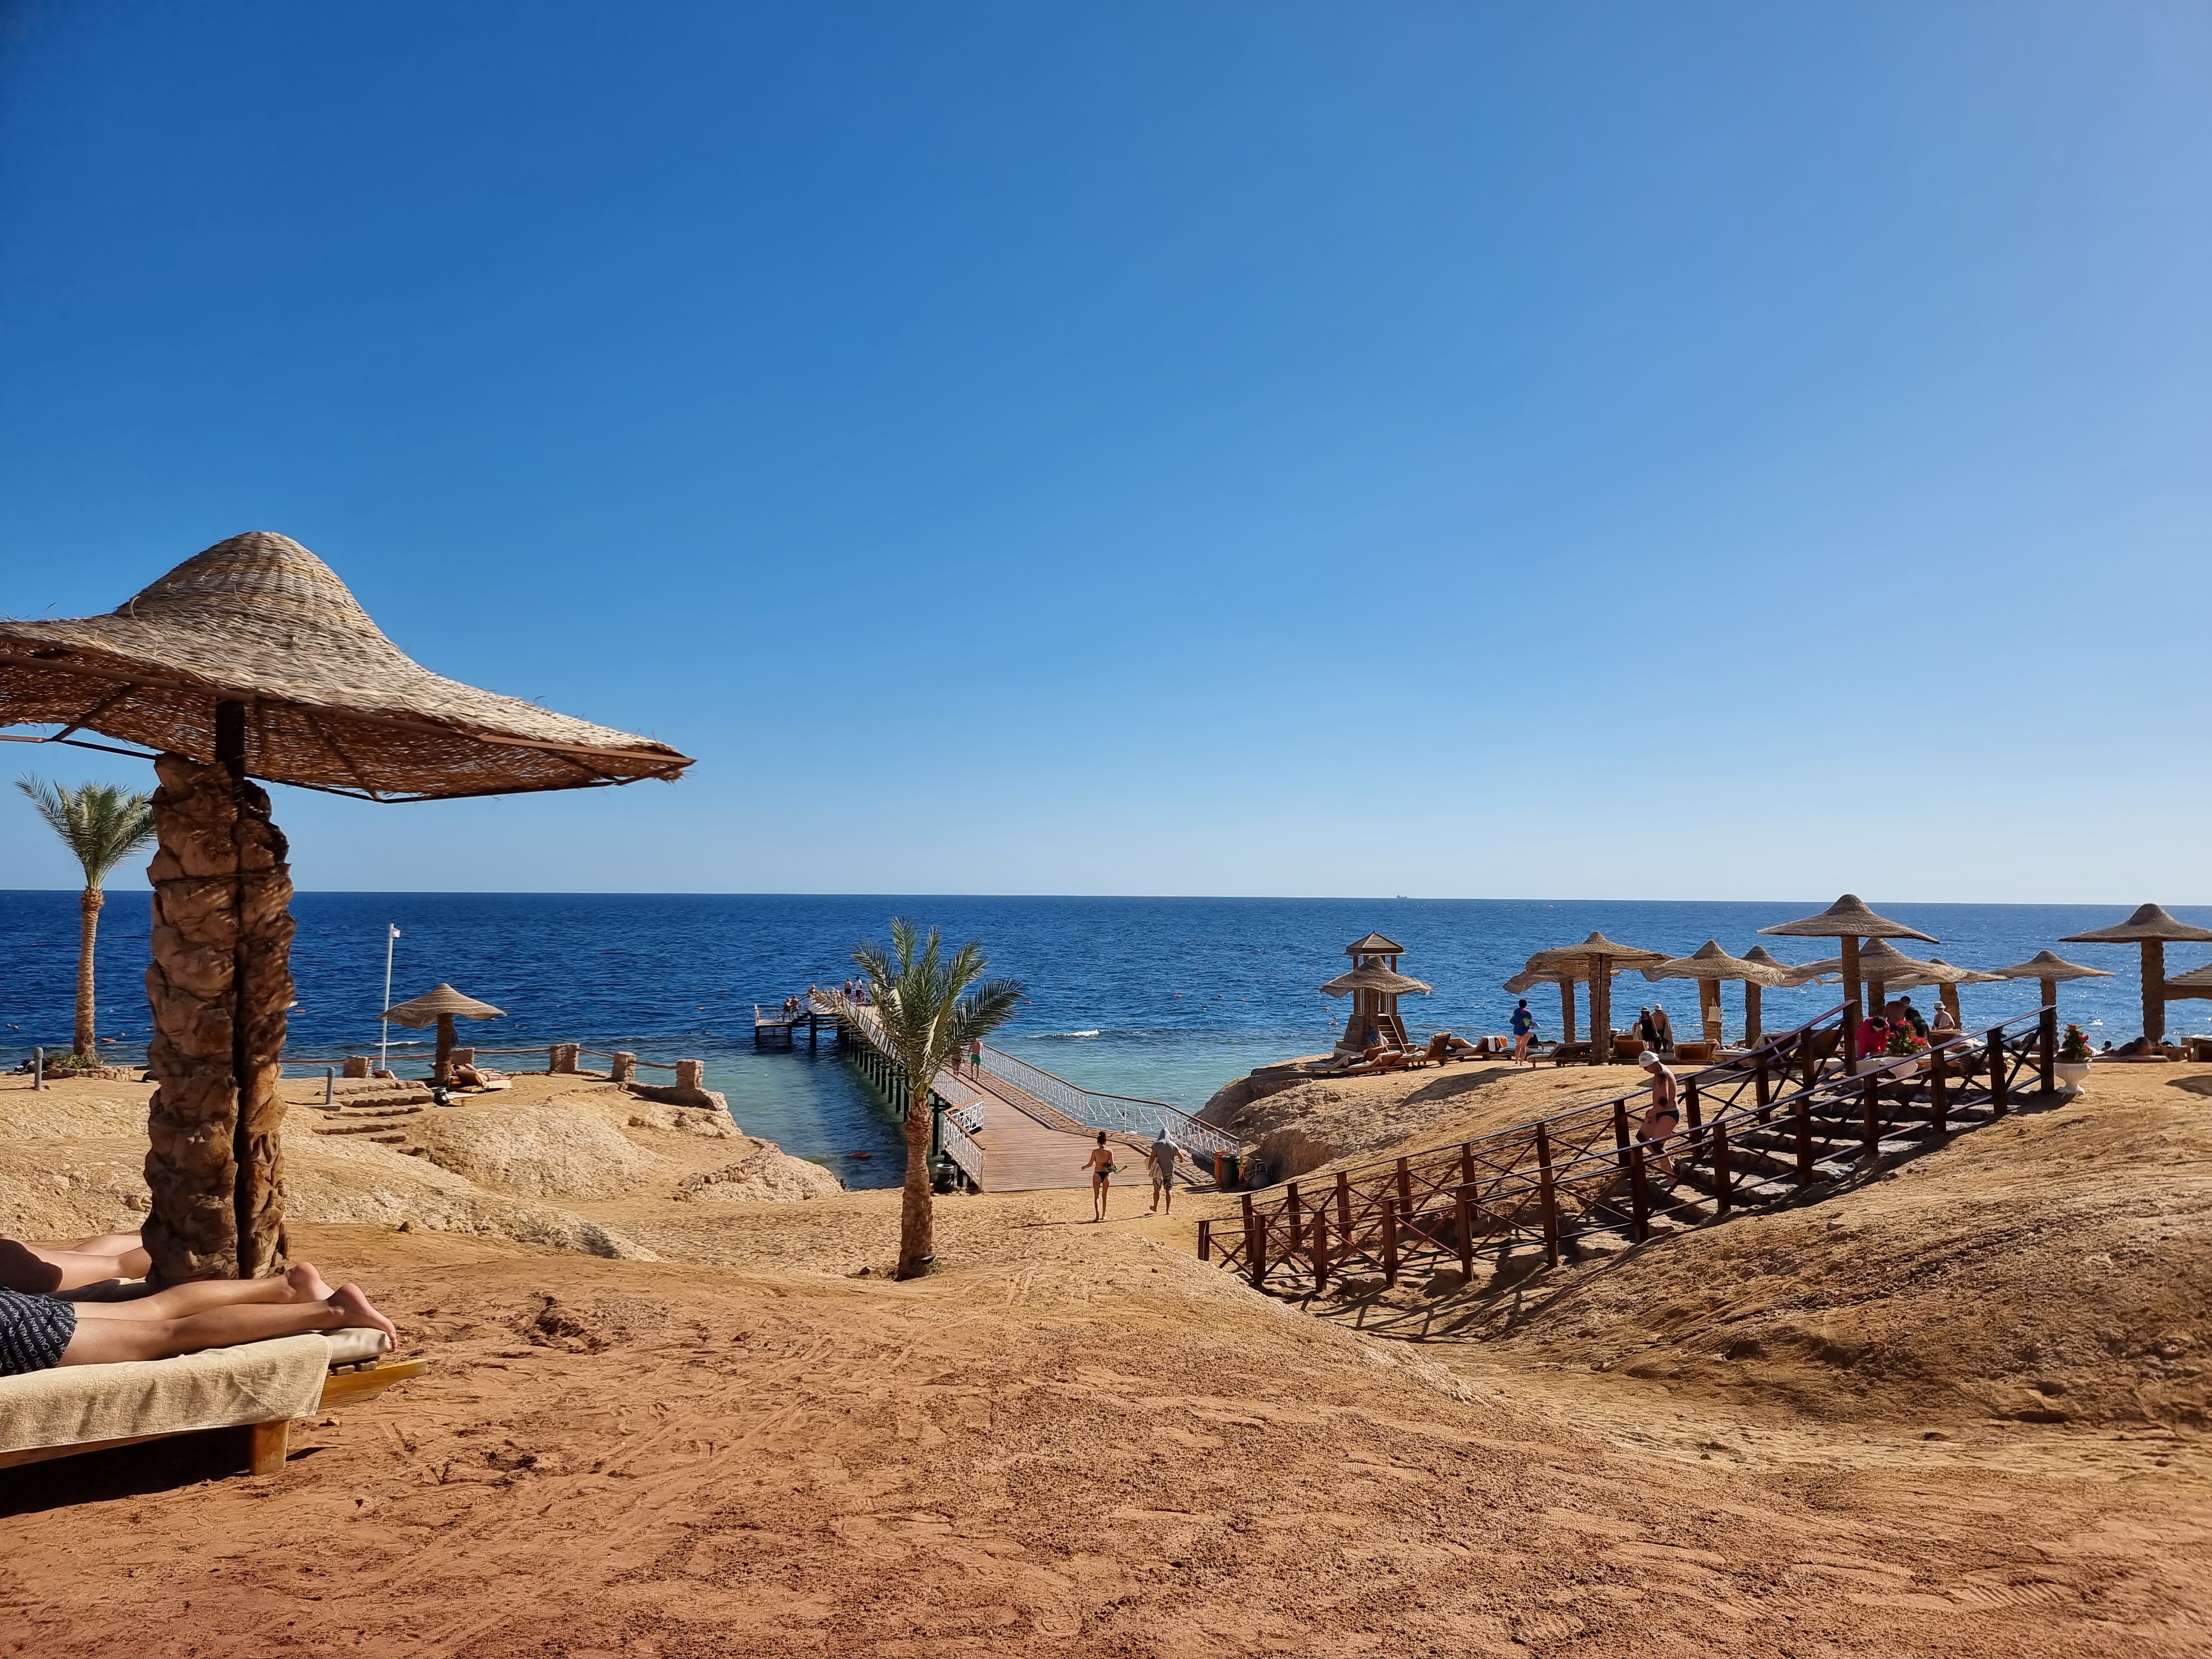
column 545, row 1151
column 770, row 1175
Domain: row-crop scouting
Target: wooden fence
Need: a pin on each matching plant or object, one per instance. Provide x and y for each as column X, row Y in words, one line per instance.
column 1759, row 1128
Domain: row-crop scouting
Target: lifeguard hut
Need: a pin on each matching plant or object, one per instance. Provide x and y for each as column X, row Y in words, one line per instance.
column 1374, row 984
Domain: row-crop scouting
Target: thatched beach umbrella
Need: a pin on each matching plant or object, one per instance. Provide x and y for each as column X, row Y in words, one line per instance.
column 1849, row 920
column 1884, row 968
column 1946, row 986
column 441, row 1003
column 1597, row 958
column 252, row 660
column 1709, row 965
column 2196, row 983
column 1525, row 981
column 2152, row 928
column 2047, row 967
column 1753, row 1015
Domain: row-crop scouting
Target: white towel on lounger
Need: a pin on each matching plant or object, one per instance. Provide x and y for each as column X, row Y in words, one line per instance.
column 253, row 1382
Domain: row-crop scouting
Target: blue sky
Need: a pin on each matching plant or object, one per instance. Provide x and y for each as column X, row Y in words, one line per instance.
column 1665, row 451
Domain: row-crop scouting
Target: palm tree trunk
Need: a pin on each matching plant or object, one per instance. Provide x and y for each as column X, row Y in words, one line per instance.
column 917, row 1219
column 219, row 984
column 88, row 1034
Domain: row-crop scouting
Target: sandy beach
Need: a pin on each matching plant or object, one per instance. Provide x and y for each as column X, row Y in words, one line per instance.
column 1911, row 1419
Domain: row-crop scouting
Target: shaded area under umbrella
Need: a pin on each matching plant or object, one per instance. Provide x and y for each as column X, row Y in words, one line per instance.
column 252, row 660
column 440, row 1005
column 1709, row 965
column 1597, row 958
column 2153, row 929
column 1849, row 921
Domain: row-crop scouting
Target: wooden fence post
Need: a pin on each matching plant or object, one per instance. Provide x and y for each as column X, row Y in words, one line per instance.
column 1389, row 1241
column 1205, row 1240
column 1939, row 1094
column 1321, row 1249
column 1720, row 1169
column 1405, row 1186
column 1549, row 1195
column 1803, row 1115
column 1620, row 1136
column 1639, row 1204
column 1294, row 1221
column 1761, row 1091
column 1344, row 1209
column 1464, row 1215
column 1810, row 1067
column 1870, row 1120
column 1690, row 1104
column 2000, row 1093
column 1256, row 1245
column 2046, row 1036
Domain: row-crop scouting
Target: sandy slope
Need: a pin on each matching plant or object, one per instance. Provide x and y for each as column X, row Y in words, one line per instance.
column 1077, row 1440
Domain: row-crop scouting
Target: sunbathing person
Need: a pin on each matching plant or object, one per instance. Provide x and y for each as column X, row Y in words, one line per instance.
column 45, row 1269
column 40, row 1332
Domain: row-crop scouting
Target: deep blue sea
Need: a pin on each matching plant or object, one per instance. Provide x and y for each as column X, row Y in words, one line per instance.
column 1166, row 998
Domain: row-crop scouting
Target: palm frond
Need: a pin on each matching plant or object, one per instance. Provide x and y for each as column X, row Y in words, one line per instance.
column 100, row 824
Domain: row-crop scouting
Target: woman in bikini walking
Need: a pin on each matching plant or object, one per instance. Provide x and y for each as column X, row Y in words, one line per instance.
column 1100, row 1165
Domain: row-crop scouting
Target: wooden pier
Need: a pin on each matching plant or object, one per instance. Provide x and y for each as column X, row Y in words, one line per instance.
column 781, row 1029
column 997, row 1124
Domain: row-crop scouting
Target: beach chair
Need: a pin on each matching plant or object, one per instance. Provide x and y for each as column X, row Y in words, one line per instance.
column 260, row 1387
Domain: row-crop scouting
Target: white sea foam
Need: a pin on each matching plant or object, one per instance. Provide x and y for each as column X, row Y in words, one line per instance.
column 1068, row 1036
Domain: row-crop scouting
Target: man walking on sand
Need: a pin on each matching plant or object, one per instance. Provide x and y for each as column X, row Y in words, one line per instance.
column 1161, row 1160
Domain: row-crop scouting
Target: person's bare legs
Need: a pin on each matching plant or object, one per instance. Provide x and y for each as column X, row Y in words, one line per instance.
column 105, row 1341
column 302, row 1284
column 49, row 1269
column 1098, row 1197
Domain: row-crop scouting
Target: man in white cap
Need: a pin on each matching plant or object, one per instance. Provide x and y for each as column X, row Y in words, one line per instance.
column 1662, row 1118
column 1160, row 1159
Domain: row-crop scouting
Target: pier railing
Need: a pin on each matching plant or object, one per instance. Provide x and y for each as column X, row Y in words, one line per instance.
column 1121, row 1113
column 1760, row 1128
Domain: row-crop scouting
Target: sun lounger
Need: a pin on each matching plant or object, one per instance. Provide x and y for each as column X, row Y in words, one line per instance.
column 257, row 1386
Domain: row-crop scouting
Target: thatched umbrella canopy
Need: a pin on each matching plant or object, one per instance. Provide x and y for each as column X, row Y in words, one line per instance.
column 252, row 660
column 2196, row 983
column 1374, row 984
column 1849, row 920
column 1525, row 981
column 2047, row 967
column 1753, row 1015
column 1709, row 965
column 1597, row 958
column 1372, row 977
column 441, row 1005
column 2152, row 928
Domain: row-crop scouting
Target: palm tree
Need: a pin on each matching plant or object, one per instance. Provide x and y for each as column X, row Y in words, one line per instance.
column 102, row 826
column 919, row 995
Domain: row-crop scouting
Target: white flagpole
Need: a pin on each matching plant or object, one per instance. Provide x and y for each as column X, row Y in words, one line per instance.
column 384, row 1042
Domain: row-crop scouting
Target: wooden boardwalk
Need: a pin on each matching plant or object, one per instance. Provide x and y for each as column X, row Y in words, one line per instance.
column 1030, row 1146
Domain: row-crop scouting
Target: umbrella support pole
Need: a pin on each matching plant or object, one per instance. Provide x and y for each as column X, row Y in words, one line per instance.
column 218, row 984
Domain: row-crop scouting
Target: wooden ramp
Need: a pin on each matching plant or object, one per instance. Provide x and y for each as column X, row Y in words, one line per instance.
column 1030, row 1147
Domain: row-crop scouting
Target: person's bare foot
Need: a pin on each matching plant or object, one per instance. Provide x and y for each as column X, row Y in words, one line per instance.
column 307, row 1283
column 349, row 1301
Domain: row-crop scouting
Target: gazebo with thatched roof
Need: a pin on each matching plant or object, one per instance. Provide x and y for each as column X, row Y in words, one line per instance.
column 440, row 1005
column 1374, row 984
column 252, row 660
column 1597, row 958
column 2153, row 929
column 1849, row 920
column 1709, row 965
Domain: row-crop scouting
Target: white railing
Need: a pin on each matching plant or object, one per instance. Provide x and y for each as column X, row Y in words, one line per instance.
column 1127, row 1114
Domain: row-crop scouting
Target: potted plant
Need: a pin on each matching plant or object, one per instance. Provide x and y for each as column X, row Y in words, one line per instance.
column 2073, row 1064
column 1906, row 1055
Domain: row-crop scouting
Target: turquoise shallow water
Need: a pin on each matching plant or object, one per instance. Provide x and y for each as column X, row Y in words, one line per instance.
column 1166, row 998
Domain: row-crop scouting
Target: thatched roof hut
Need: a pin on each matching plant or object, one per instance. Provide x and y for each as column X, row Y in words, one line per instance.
column 2153, row 929
column 1371, row 976
column 1374, row 984
column 252, row 660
